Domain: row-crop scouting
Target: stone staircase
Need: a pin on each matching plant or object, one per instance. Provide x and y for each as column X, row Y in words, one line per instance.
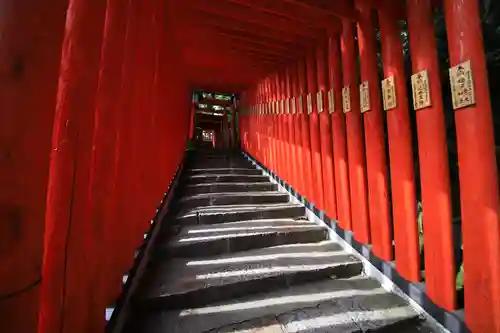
column 237, row 256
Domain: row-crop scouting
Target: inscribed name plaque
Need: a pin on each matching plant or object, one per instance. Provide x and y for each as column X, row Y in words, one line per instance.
column 421, row 90
column 293, row 106
column 364, row 97
column 389, row 93
column 309, row 104
column 462, row 85
column 319, row 101
column 346, row 99
column 331, row 101
column 300, row 105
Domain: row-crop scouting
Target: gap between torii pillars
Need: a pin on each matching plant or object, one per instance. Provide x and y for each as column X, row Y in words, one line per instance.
column 376, row 161
column 478, row 171
column 400, row 147
column 71, row 241
column 314, row 130
column 433, row 157
column 30, row 52
column 354, row 130
column 330, row 200
column 341, row 164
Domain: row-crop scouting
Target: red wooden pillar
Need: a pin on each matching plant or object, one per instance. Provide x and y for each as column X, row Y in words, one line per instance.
column 143, row 115
column 433, row 158
column 269, row 124
column 71, row 238
column 400, row 149
column 355, row 144
column 265, row 121
column 103, row 177
column 478, row 171
column 341, row 165
column 292, row 156
column 312, row 109
column 125, row 205
column 30, row 51
column 297, row 128
column 284, row 127
column 277, row 124
column 376, row 161
column 330, row 201
column 306, row 138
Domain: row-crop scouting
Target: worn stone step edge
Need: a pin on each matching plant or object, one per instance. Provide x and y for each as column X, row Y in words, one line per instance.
column 192, row 189
column 288, row 211
column 241, row 243
column 228, row 198
column 204, row 296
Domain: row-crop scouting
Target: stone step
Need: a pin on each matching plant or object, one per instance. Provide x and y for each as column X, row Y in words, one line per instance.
column 221, row 238
column 193, row 189
column 358, row 304
column 234, row 171
column 183, row 283
column 220, row 164
column 233, row 213
column 204, row 179
column 211, row 199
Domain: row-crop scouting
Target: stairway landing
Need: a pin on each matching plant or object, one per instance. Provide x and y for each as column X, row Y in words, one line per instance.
column 239, row 257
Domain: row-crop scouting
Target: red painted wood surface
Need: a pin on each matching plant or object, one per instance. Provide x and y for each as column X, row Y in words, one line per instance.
column 355, row 140
column 341, row 163
column 376, row 161
column 400, row 153
column 433, row 161
column 315, row 139
column 284, row 127
column 306, row 138
column 478, row 173
column 72, row 245
column 329, row 191
column 102, row 197
column 289, row 119
column 30, row 53
column 297, row 128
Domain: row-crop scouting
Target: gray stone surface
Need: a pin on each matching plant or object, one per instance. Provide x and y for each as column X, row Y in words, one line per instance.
column 233, row 213
column 236, row 171
column 227, row 274
column 228, row 198
column 186, row 282
column 357, row 304
column 214, row 178
column 213, row 239
column 193, row 189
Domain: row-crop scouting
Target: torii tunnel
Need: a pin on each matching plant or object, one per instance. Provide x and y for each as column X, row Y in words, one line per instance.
column 96, row 110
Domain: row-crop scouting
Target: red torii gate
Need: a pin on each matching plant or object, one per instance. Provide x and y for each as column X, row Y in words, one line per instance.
column 95, row 113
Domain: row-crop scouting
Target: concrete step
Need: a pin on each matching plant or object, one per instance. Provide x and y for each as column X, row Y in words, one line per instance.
column 193, row 189
column 210, row 199
column 233, row 213
column 222, row 171
column 204, row 179
column 183, row 283
column 358, row 304
column 221, row 238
